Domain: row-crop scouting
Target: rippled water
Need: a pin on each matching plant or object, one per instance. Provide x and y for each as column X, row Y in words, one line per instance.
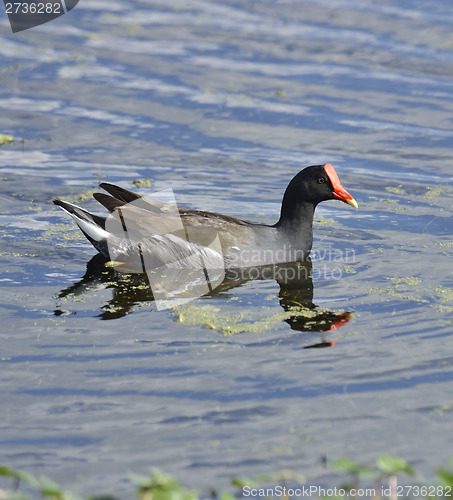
column 224, row 102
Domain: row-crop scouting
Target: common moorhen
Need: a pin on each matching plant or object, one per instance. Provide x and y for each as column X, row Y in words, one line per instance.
column 159, row 233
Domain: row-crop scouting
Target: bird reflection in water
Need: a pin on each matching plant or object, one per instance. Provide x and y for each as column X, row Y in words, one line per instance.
column 294, row 279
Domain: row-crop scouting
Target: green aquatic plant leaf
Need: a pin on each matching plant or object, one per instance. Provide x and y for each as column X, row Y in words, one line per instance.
column 19, row 475
column 103, row 497
column 445, row 477
column 390, row 465
column 240, row 482
column 52, row 491
column 160, row 486
column 226, row 496
column 348, row 465
column 345, row 465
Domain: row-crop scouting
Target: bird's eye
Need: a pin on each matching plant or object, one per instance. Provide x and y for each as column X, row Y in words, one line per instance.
column 321, row 180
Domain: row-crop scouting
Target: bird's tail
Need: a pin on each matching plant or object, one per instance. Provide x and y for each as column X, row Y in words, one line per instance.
column 92, row 226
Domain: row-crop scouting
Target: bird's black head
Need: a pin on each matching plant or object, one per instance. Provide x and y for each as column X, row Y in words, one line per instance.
column 311, row 186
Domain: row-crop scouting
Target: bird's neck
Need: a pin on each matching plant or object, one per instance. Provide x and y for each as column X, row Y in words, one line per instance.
column 296, row 224
column 296, row 214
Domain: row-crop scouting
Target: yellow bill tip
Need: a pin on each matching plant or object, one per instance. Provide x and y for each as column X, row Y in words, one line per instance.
column 353, row 203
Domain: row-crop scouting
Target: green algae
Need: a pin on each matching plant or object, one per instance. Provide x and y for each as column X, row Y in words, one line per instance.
column 228, row 323
column 401, row 282
column 34, row 208
column 446, row 247
column 443, row 309
column 138, row 183
column 323, row 221
column 394, row 203
column 85, row 195
column 444, row 294
column 61, row 230
column 6, row 139
column 399, row 288
column 23, row 254
column 408, row 289
column 433, row 193
column 396, row 190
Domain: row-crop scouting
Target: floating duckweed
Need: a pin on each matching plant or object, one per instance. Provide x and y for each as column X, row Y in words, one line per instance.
column 323, row 221
column 10, row 254
column 401, row 282
column 433, row 193
column 34, row 208
column 113, row 309
column 444, row 309
column 444, row 294
column 446, row 247
column 110, row 17
column 65, row 231
column 87, row 195
column 143, row 286
column 138, row 183
column 398, row 284
column 445, row 323
column 393, row 293
column 113, row 263
column 230, row 324
column 94, row 36
column 6, row 139
column 396, row 190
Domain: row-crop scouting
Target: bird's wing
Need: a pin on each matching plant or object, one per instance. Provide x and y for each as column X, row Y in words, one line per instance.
column 145, row 217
